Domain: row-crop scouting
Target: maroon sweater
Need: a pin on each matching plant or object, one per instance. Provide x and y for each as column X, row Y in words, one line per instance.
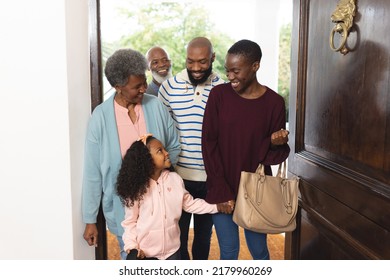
column 236, row 136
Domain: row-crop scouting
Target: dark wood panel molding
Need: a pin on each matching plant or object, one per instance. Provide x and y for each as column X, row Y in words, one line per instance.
column 351, row 192
column 96, row 99
column 95, row 54
column 327, row 241
column 370, row 183
column 301, row 69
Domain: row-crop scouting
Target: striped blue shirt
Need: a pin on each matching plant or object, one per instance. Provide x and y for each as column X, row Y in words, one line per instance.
column 186, row 104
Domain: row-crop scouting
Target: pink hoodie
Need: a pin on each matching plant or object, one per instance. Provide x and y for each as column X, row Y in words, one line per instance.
column 152, row 224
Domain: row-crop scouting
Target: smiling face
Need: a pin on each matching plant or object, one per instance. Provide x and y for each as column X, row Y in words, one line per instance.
column 159, row 155
column 159, row 64
column 240, row 72
column 133, row 91
column 199, row 63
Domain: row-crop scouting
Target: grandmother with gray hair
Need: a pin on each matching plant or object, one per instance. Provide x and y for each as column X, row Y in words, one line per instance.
column 113, row 127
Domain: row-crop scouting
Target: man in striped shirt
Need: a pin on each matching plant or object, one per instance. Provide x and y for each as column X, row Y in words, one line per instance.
column 185, row 96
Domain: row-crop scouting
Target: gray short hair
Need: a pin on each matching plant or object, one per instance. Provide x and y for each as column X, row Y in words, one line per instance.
column 123, row 63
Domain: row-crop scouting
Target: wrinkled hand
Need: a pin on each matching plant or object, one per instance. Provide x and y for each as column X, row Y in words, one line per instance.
column 91, row 234
column 279, row 137
column 226, row 207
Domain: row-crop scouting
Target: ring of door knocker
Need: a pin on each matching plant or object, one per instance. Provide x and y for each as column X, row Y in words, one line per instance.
column 343, row 18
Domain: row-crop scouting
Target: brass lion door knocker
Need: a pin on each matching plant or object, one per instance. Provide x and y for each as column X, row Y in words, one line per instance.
column 343, row 18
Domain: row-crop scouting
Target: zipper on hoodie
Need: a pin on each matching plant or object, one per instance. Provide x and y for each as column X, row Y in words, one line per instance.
column 162, row 200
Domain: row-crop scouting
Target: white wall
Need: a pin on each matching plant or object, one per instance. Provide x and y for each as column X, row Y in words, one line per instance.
column 44, row 108
column 267, row 36
column 256, row 20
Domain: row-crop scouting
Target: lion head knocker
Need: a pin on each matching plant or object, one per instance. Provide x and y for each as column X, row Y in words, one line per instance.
column 343, row 18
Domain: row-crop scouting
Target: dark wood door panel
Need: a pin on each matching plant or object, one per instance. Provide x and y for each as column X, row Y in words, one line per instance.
column 351, row 227
column 346, row 96
column 340, row 133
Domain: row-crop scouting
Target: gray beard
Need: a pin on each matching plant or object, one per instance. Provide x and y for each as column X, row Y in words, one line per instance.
column 160, row 78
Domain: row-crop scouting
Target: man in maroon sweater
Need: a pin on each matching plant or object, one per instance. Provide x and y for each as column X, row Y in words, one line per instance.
column 244, row 125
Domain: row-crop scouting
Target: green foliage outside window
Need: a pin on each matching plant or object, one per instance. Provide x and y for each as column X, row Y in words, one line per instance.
column 172, row 25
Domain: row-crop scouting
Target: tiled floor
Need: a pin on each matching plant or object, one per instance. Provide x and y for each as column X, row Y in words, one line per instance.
column 275, row 246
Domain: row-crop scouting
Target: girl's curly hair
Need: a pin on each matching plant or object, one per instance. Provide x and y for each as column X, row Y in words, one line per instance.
column 135, row 172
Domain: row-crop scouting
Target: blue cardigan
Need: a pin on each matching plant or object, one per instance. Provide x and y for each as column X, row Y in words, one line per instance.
column 102, row 157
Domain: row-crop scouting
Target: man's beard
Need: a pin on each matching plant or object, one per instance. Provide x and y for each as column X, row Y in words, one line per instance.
column 159, row 79
column 207, row 74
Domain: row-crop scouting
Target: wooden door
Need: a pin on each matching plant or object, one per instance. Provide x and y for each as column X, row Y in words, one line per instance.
column 340, row 133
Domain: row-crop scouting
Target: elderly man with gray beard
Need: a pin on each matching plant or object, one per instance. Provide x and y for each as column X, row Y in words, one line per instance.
column 160, row 66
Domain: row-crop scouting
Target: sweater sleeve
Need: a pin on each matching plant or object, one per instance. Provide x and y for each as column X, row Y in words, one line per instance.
column 172, row 143
column 277, row 154
column 217, row 186
column 197, row 205
column 161, row 125
column 129, row 225
column 92, row 179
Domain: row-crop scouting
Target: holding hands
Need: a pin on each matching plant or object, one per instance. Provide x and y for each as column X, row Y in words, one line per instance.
column 226, row 207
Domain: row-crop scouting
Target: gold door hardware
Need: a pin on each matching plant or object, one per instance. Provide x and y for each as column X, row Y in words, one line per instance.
column 343, row 18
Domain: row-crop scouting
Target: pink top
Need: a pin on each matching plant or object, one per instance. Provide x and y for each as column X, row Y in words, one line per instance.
column 128, row 131
column 152, row 224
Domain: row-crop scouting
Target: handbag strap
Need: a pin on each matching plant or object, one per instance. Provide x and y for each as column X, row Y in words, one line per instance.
column 282, row 170
column 260, row 169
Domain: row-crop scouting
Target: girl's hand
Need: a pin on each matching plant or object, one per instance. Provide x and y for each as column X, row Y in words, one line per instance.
column 141, row 254
column 279, row 137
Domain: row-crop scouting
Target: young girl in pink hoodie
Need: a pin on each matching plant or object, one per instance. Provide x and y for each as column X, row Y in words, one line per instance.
column 154, row 198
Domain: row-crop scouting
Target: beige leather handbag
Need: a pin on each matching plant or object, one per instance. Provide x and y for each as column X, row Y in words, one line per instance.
column 267, row 204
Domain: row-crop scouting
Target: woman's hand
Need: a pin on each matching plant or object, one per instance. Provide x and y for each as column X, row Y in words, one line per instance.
column 91, row 234
column 279, row 137
column 226, row 207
